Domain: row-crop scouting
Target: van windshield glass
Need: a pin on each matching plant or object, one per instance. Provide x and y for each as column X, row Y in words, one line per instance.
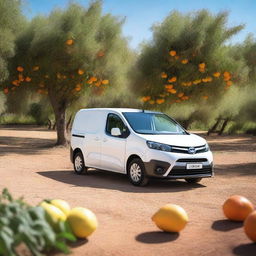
column 152, row 123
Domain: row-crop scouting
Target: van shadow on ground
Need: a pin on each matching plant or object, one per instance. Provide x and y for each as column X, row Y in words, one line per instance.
column 115, row 181
column 244, row 169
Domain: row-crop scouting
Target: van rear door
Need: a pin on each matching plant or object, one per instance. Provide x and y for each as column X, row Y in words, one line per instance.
column 93, row 123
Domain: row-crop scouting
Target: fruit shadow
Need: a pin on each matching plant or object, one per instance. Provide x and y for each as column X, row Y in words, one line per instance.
column 226, row 225
column 78, row 243
column 245, row 249
column 156, row 237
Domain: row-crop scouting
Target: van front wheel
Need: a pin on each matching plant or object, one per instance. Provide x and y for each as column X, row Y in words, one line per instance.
column 136, row 173
column 79, row 166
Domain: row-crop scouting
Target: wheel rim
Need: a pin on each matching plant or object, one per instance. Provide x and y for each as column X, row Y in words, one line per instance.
column 78, row 163
column 135, row 172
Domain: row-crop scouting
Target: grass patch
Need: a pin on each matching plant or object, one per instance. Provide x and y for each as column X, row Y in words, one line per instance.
column 16, row 119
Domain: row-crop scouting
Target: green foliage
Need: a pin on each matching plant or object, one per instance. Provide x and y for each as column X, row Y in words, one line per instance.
column 11, row 21
column 192, row 50
column 22, row 224
column 38, row 112
column 2, row 103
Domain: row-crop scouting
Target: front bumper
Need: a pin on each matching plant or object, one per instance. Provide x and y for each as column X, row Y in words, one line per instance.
column 178, row 169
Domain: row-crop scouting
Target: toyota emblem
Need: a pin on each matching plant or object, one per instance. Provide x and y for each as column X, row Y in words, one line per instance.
column 191, row 150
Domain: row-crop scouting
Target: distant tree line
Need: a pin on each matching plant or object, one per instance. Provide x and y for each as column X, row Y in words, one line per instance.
column 77, row 57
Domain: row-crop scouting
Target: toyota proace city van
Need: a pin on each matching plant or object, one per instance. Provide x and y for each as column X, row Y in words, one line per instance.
column 141, row 144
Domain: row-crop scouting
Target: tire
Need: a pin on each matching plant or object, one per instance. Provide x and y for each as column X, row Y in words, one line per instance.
column 193, row 180
column 79, row 166
column 136, row 173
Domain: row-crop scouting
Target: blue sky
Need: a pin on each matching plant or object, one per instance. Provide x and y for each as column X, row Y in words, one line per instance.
column 141, row 14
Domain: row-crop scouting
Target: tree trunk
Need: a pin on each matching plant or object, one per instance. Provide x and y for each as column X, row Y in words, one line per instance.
column 60, row 116
column 49, row 124
column 59, row 108
column 69, row 122
column 223, row 126
column 214, row 127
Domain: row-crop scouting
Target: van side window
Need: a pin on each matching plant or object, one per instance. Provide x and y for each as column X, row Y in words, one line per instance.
column 114, row 121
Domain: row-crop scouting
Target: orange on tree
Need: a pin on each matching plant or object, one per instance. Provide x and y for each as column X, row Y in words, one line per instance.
column 172, row 79
column 229, row 83
column 172, row 53
column 35, row 68
column 20, row 68
column 172, row 91
column 201, row 65
column 28, row 79
column 184, row 61
column 163, row 75
column 80, row 71
column 168, row 86
column 105, row 81
column 160, row 101
column 69, row 42
column 216, row 74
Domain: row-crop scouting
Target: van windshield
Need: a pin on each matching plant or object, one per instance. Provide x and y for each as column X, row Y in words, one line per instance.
column 153, row 123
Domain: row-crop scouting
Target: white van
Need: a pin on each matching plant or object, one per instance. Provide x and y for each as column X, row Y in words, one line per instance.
column 139, row 143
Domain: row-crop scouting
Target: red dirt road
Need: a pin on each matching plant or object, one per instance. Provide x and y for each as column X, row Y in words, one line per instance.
column 31, row 166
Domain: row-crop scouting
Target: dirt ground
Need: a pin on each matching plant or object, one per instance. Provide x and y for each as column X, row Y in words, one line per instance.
column 31, row 166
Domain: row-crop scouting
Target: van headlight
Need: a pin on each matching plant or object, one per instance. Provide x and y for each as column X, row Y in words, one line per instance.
column 207, row 148
column 159, row 146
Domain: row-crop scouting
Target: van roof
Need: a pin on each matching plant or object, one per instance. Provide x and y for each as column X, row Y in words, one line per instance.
column 120, row 110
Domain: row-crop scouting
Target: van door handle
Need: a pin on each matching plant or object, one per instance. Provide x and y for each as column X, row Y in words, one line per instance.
column 96, row 138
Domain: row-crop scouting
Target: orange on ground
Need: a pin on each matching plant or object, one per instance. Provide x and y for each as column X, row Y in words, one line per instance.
column 250, row 226
column 237, row 208
column 171, row 218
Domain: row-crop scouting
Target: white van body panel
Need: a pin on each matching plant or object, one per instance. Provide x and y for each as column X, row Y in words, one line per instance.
column 103, row 151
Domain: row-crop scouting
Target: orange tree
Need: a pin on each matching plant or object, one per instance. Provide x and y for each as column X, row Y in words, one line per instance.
column 65, row 54
column 187, row 61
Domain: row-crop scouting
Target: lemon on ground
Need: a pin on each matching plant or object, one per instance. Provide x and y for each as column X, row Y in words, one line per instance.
column 170, row 218
column 82, row 221
column 62, row 205
column 53, row 212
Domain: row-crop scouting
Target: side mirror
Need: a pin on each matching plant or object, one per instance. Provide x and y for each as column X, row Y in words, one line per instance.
column 115, row 132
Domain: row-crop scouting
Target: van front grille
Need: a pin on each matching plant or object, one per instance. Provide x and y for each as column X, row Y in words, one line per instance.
column 185, row 150
column 185, row 172
column 192, row 160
